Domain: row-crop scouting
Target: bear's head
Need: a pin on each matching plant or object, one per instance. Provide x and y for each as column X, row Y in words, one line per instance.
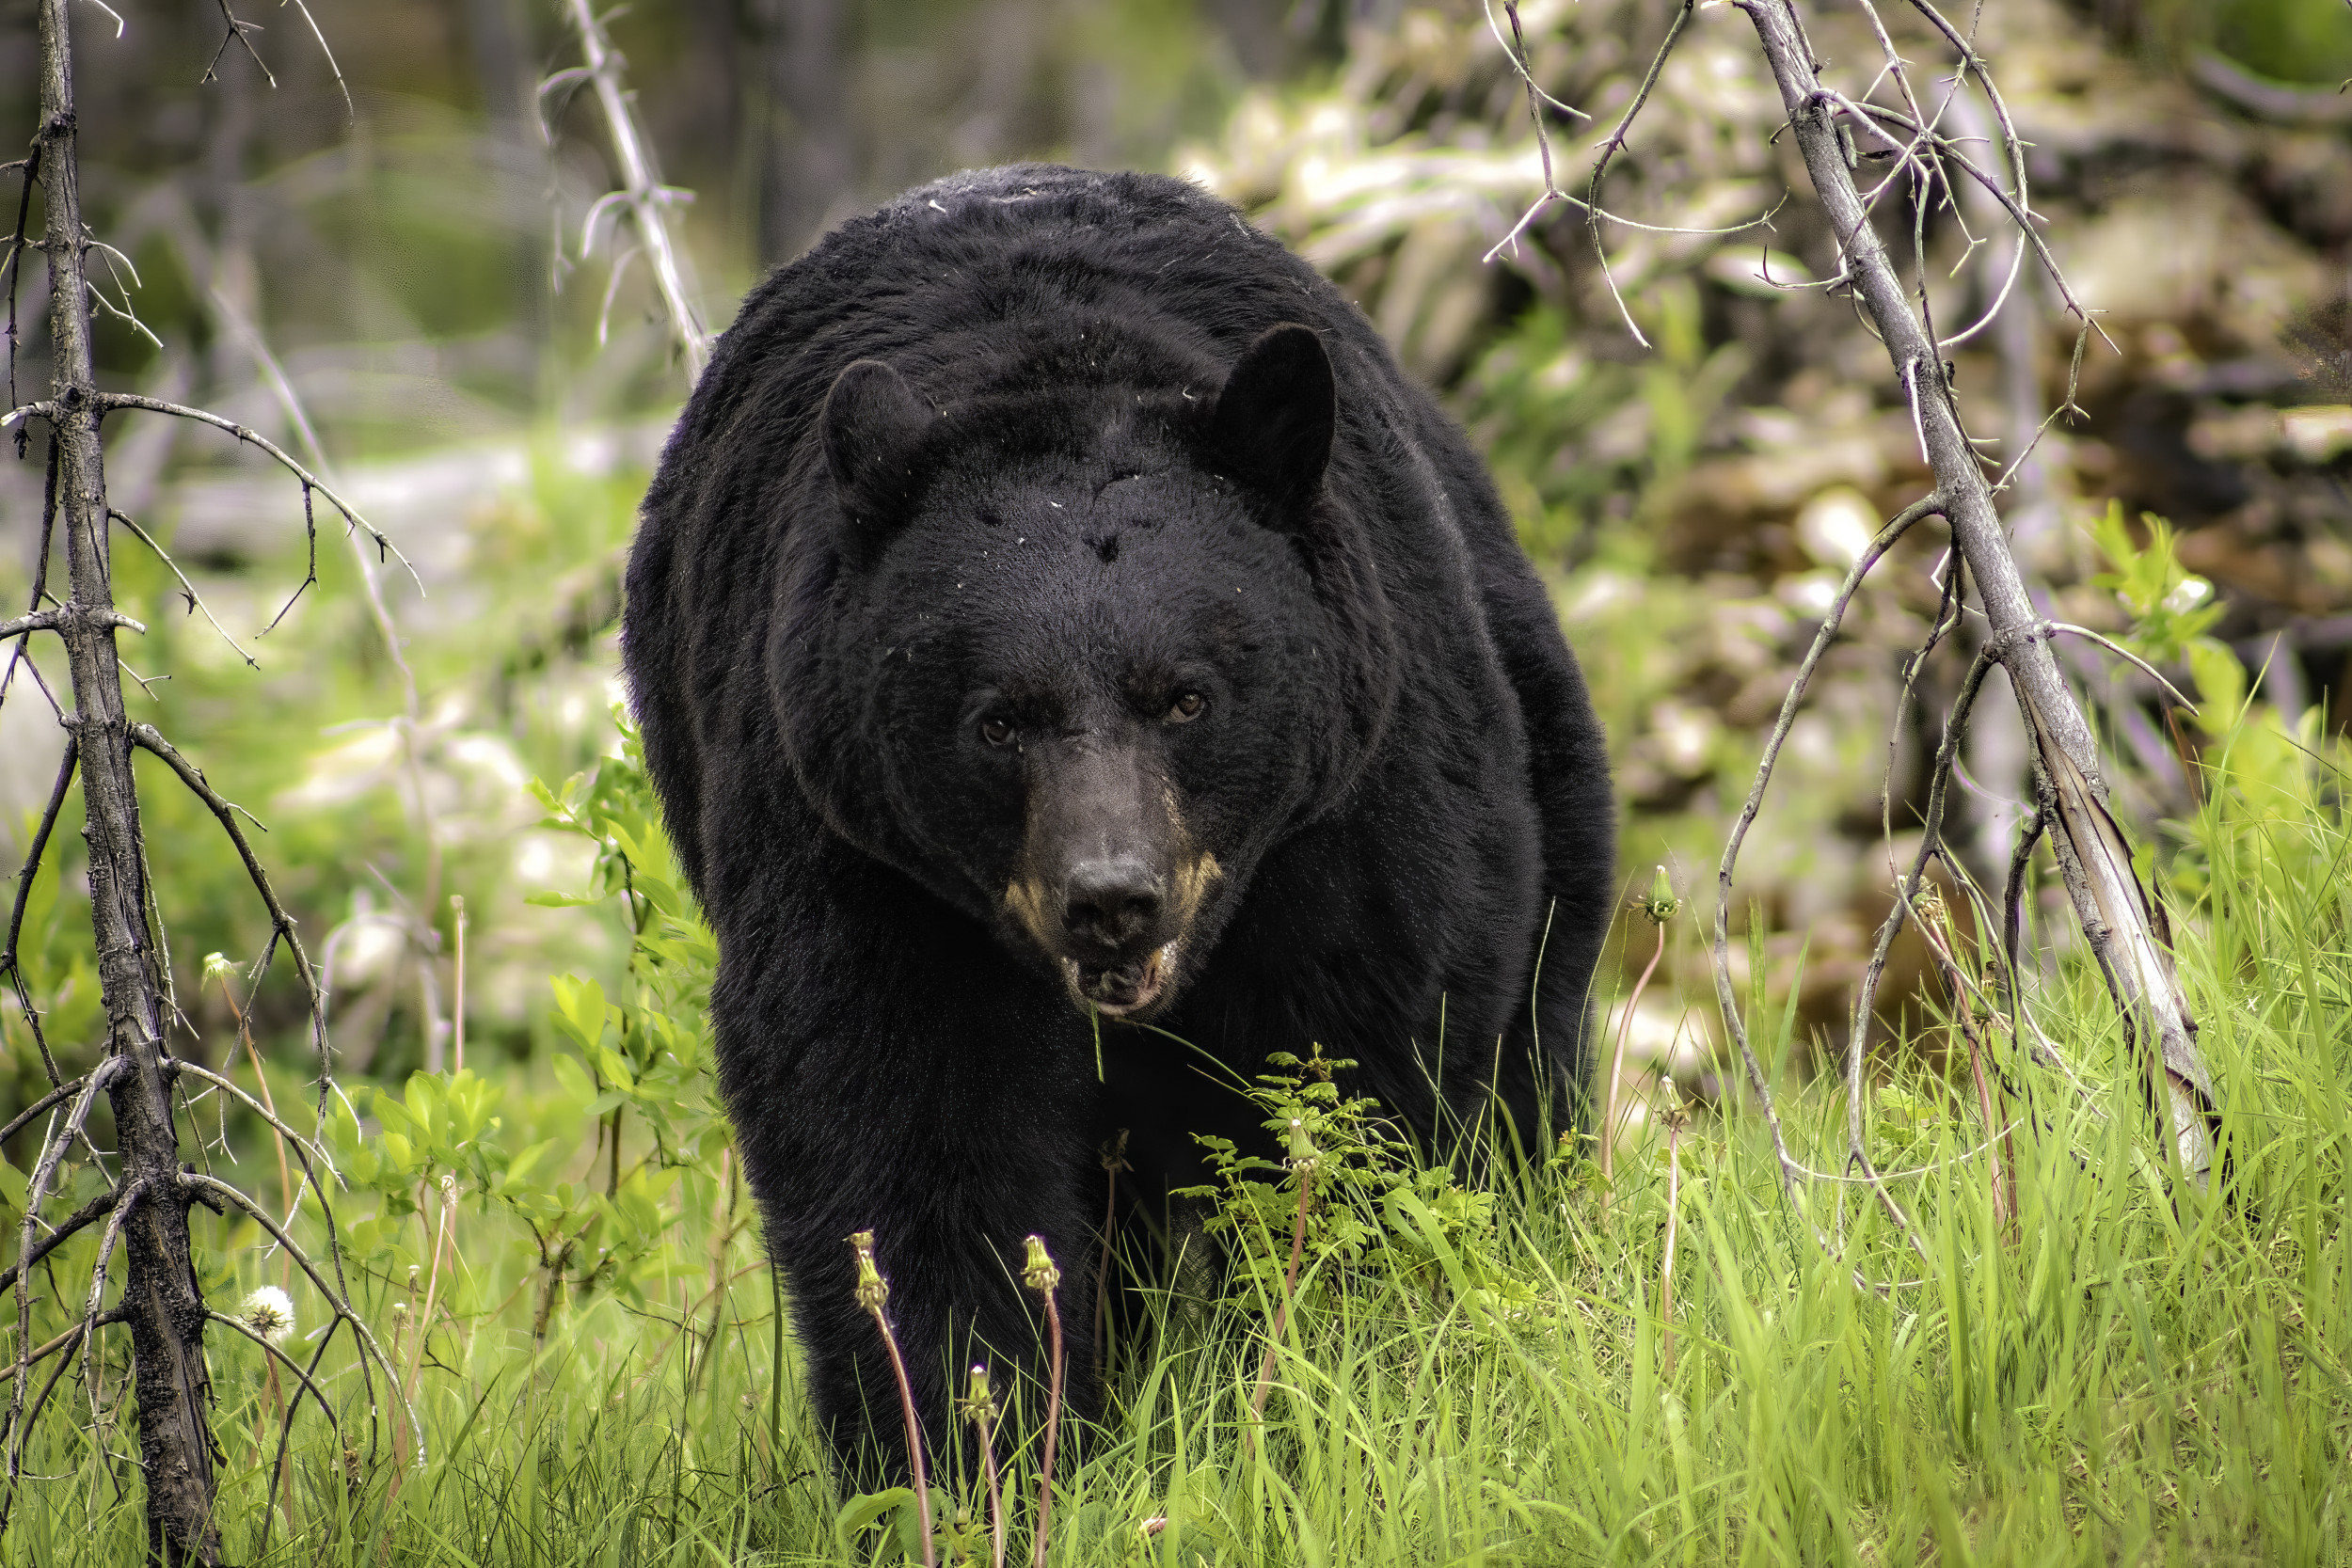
column 1076, row 658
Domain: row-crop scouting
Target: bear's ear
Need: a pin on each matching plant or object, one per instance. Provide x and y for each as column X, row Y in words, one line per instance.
column 873, row 425
column 1273, row 424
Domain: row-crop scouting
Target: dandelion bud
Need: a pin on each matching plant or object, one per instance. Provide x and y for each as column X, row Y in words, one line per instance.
column 979, row 1405
column 269, row 1314
column 873, row 1290
column 1038, row 1273
column 1662, row 904
column 1305, row 1157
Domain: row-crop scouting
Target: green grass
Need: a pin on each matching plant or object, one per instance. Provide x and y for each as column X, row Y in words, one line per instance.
column 2136, row 1375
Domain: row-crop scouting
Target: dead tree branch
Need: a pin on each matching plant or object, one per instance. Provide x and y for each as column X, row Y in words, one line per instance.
column 2125, row 929
column 642, row 195
column 211, row 1190
column 33, row 853
column 282, row 924
column 146, row 1205
column 187, row 589
column 1793, row 1173
column 108, row 402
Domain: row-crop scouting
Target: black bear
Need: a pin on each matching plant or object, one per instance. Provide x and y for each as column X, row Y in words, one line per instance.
column 1056, row 615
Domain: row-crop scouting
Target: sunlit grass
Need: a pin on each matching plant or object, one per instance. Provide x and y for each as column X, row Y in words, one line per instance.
column 2135, row 1373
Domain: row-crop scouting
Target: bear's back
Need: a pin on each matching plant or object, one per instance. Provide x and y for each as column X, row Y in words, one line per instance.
column 968, row 284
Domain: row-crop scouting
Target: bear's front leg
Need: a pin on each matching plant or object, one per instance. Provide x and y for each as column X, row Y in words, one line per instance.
column 941, row 1099
column 956, row 1299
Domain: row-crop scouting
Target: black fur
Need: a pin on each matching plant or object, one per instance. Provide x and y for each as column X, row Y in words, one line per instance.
column 974, row 500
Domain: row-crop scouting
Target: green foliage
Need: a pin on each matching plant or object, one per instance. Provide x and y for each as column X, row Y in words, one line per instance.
column 1376, row 1217
column 1565, row 432
column 2170, row 607
column 1331, row 1139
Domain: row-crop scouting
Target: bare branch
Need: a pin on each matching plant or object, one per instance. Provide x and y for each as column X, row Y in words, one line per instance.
column 2122, row 927
column 325, row 1406
column 236, row 34
column 212, row 1187
column 282, row 924
column 2121, row 652
column 29, row 1249
column 53, row 1347
column 285, row 1432
column 196, row 600
column 303, row 1146
column 57, row 620
column 253, row 437
column 351, row 111
column 1792, row 1171
column 25, row 1117
column 94, row 1307
column 24, row 893
column 641, row 190
column 73, row 1224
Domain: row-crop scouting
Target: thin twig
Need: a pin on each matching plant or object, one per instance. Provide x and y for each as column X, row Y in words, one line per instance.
column 196, row 600
column 270, row 448
column 282, row 924
column 642, row 190
column 76, row 1222
column 351, row 110
column 44, row 1352
column 213, row 1187
column 1938, row 934
column 28, row 1247
column 326, row 1405
column 24, row 1118
column 1792, row 1173
column 31, row 868
column 181, row 1067
column 94, row 1306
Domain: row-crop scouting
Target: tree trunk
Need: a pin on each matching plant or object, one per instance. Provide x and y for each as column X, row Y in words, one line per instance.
column 2124, row 928
column 159, row 1298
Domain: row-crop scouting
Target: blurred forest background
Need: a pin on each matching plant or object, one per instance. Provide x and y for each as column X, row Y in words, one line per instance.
column 394, row 276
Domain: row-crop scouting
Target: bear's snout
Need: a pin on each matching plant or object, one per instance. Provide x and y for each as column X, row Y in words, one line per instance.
column 1113, row 904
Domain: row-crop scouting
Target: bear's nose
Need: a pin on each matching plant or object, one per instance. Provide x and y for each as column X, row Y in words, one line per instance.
column 1113, row 902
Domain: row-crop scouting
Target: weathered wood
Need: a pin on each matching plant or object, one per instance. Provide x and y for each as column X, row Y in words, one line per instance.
column 160, row 1302
column 2123, row 927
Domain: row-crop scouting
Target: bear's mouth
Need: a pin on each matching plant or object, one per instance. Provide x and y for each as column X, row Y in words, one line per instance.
column 1117, row 990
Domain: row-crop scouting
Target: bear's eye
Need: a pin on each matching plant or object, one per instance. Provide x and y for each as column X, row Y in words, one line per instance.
column 997, row 731
column 1187, row 707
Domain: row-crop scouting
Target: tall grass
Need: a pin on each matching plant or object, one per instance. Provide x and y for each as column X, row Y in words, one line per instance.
column 2135, row 1373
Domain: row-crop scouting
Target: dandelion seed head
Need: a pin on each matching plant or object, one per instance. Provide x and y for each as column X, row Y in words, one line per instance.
column 269, row 1313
